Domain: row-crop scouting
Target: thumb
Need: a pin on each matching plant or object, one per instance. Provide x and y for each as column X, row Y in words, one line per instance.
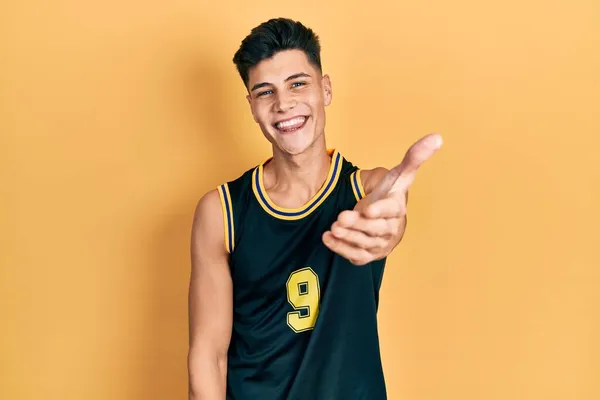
column 402, row 176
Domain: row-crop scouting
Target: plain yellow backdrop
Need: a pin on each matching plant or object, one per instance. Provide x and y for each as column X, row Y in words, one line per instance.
column 116, row 116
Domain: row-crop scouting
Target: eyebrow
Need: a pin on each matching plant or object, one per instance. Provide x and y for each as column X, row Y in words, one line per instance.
column 289, row 78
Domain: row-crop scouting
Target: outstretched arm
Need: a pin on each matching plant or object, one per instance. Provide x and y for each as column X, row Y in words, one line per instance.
column 210, row 303
column 377, row 223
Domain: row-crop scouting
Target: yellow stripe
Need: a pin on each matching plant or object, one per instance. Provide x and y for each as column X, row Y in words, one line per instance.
column 353, row 186
column 360, row 185
column 227, row 225
column 231, row 224
column 301, row 212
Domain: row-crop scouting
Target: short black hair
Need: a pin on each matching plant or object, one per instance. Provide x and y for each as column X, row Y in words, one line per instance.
column 273, row 36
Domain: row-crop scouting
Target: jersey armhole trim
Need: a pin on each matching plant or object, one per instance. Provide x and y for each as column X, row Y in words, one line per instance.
column 227, row 209
column 357, row 186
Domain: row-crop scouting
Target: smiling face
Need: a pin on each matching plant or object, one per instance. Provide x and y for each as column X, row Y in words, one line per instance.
column 288, row 96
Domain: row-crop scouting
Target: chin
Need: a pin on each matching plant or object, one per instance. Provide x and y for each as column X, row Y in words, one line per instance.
column 296, row 145
column 291, row 144
column 292, row 149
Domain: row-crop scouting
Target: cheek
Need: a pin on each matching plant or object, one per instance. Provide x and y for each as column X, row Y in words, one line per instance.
column 261, row 114
column 313, row 101
column 263, row 117
column 318, row 107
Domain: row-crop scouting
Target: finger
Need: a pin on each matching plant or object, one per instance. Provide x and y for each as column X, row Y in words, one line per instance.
column 355, row 255
column 405, row 172
column 416, row 155
column 347, row 218
column 422, row 150
column 389, row 207
column 383, row 227
column 358, row 238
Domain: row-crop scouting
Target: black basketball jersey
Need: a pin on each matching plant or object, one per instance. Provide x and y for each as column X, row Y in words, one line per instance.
column 304, row 318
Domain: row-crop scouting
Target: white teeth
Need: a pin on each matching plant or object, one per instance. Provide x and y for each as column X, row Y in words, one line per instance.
column 291, row 123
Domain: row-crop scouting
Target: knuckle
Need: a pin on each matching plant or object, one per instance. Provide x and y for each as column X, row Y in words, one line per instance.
column 354, row 236
column 349, row 238
column 360, row 258
column 338, row 231
column 365, row 242
column 402, row 210
column 372, row 227
column 381, row 243
column 365, row 257
column 393, row 226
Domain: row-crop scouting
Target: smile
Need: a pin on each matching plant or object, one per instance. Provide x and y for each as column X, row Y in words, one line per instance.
column 290, row 125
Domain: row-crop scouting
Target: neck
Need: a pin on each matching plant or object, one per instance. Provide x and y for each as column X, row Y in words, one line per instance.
column 297, row 178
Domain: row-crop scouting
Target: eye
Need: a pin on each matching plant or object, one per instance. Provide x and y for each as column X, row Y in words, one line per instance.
column 298, row 84
column 264, row 93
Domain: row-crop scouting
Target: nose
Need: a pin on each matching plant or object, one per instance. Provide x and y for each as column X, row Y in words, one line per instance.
column 285, row 102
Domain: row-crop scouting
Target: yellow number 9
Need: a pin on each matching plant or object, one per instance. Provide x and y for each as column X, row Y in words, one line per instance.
column 303, row 293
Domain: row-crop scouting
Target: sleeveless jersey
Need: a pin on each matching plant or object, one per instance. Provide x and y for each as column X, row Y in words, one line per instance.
column 304, row 318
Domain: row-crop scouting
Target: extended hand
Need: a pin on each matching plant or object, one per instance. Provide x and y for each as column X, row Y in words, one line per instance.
column 377, row 223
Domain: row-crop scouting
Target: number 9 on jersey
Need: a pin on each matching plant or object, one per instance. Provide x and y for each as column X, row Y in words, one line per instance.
column 303, row 294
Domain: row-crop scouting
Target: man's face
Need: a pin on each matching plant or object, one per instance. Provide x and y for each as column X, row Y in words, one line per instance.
column 288, row 98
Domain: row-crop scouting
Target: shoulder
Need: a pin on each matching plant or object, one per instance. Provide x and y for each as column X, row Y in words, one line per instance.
column 207, row 228
column 363, row 181
column 371, row 177
column 207, row 205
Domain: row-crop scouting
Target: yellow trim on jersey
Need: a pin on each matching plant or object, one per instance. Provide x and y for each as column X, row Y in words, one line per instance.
column 357, row 186
column 297, row 213
column 227, row 209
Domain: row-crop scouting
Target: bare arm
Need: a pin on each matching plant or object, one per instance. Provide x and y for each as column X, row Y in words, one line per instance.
column 210, row 303
column 377, row 223
column 371, row 178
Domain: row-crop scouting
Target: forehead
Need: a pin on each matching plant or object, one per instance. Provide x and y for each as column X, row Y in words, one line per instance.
column 277, row 68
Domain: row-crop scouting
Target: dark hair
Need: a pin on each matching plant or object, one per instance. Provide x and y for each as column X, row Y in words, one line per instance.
column 273, row 36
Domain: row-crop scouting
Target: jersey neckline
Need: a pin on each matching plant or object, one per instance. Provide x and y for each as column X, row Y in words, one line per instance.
column 297, row 213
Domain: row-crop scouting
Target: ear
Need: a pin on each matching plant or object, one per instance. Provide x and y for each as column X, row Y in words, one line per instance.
column 249, row 98
column 327, row 92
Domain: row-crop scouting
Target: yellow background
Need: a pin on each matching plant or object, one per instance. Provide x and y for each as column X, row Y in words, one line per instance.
column 116, row 116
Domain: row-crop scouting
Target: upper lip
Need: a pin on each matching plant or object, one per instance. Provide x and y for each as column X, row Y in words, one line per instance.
column 290, row 118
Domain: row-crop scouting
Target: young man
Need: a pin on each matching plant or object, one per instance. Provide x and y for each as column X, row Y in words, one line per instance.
column 287, row 259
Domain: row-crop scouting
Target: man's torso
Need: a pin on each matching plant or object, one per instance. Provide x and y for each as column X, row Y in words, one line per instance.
column 305, row 319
